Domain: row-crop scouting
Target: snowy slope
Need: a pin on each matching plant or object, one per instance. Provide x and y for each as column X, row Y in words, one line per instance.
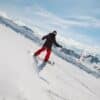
column 19, row 82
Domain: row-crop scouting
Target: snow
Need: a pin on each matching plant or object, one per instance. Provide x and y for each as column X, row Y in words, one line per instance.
column 18, row 80
column 16, row 70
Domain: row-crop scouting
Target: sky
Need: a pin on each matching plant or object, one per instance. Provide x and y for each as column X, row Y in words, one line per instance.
column 77, row 20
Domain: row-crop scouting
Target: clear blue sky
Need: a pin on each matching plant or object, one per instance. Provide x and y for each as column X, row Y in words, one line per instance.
column 76, row 19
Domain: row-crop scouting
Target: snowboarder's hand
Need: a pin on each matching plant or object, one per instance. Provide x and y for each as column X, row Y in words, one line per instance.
column 60, row 49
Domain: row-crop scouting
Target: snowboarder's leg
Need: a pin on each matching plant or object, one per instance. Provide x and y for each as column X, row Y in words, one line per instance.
column 43, row 64
column 47, row 55
column 39, row 51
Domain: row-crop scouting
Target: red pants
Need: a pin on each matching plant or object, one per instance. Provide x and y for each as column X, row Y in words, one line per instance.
column 47, row 54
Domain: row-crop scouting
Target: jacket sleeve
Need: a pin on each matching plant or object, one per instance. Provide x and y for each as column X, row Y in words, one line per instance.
column 56, row 44
column 45, row 37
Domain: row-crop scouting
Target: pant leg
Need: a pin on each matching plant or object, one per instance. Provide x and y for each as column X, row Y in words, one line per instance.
column 47, row 55
column 39, row 51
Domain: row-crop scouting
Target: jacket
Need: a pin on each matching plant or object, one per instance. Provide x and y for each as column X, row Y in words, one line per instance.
column 50, row 41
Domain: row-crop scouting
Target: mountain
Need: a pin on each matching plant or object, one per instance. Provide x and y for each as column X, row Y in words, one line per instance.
column 91, row 58
column 24, row 30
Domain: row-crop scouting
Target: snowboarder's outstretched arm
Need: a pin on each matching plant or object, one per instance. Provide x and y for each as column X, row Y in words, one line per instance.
column 56, row 44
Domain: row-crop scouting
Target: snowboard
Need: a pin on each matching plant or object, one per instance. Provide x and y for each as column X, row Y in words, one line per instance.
column 49, row 61
column 40, row 64
column 36, row 68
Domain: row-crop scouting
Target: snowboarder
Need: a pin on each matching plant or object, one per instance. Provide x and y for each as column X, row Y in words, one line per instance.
column 50, row 41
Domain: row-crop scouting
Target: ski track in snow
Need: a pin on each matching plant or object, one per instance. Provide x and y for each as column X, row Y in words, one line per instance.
column 56, row 95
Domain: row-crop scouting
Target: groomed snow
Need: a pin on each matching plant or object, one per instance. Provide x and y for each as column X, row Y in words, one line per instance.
column 19, row 82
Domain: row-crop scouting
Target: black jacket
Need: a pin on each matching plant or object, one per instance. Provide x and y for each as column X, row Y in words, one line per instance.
column 50, row 40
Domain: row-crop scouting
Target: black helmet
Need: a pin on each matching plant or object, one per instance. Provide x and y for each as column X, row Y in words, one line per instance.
column 55, row 32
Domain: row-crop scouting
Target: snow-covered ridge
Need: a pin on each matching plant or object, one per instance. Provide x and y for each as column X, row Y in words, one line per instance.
column 24, row 30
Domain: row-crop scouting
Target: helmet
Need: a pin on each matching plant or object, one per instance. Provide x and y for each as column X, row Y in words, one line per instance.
column 55, row 32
